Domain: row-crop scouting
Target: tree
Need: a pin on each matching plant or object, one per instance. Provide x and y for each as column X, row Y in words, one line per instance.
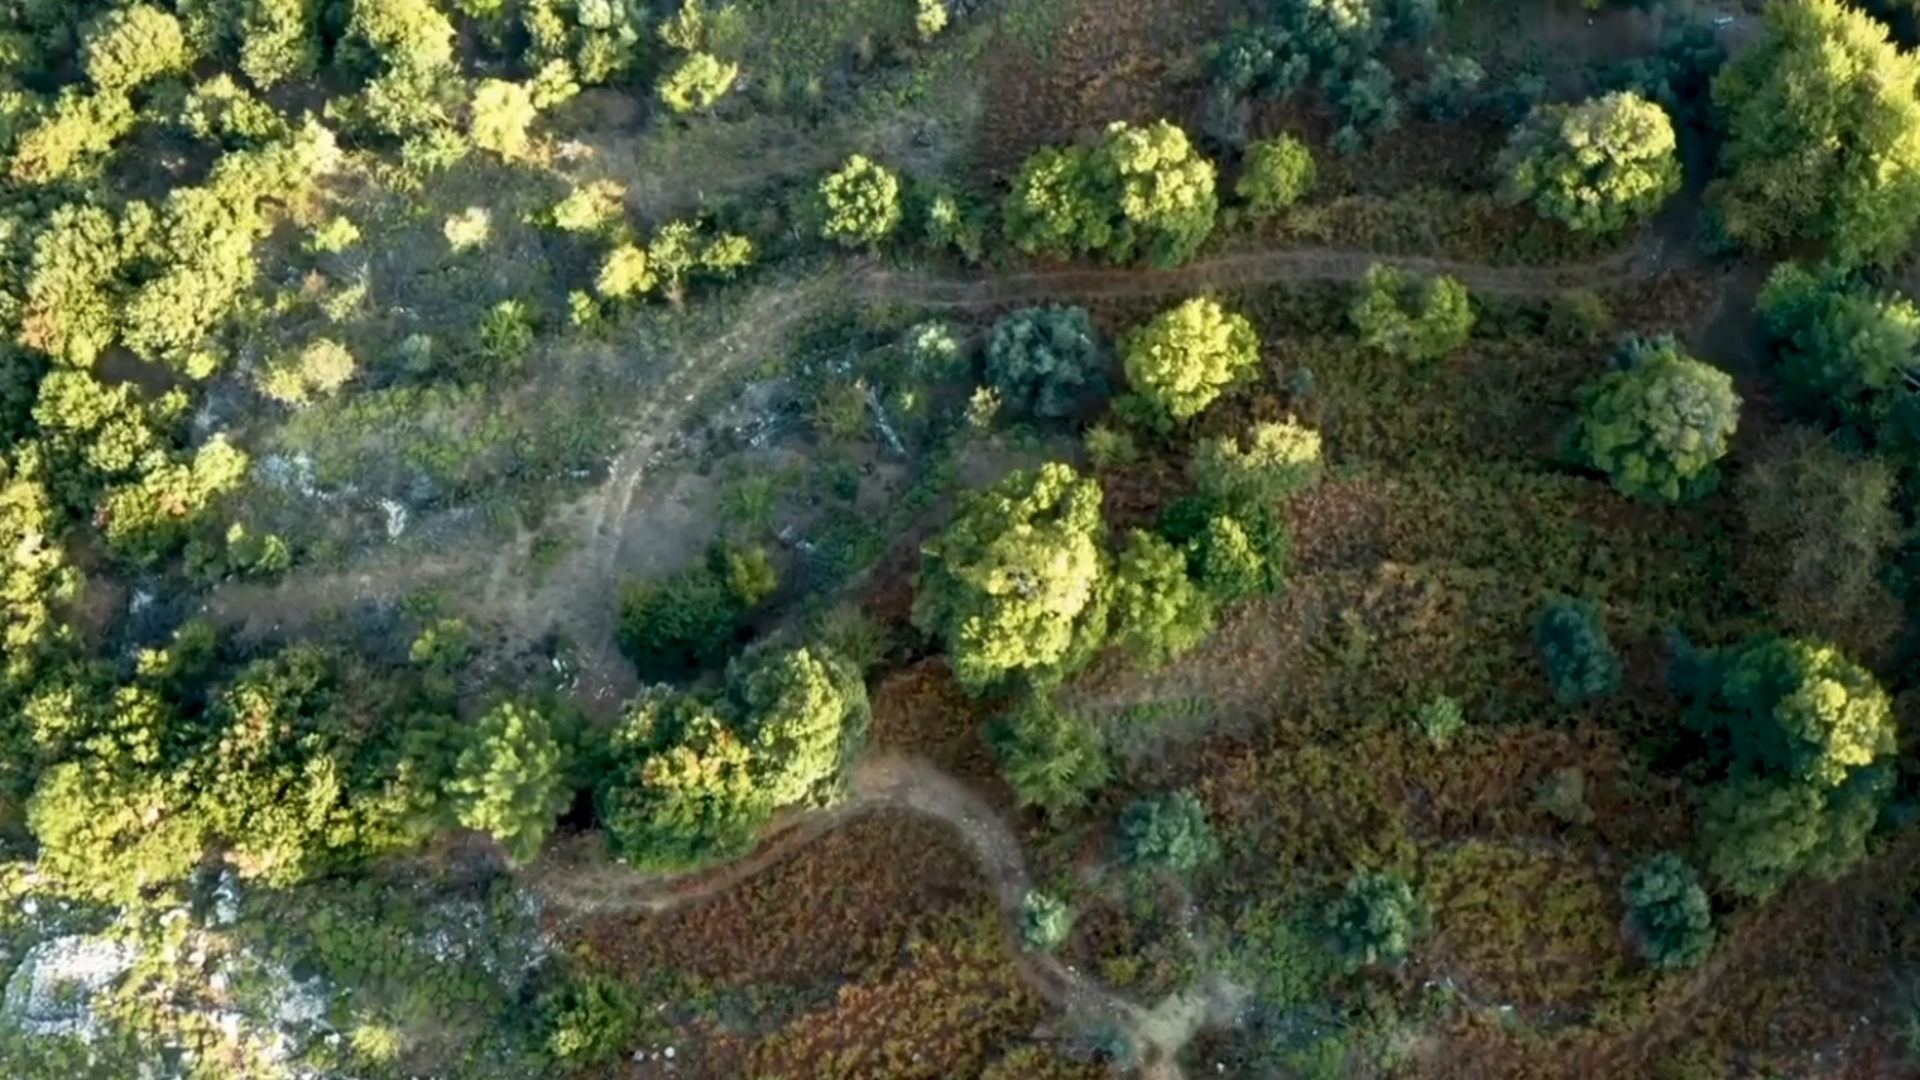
column 1156, row 611
column 1790, row 708
column 1167, row 832
column 1275, row 462
column 1658, row 423
column 510, row 779
column 1823, row 136
column 1182, row 359
column 1820, row 535
column 1580, row 661
column 501, row 114
column 1410, row 317
column 624, row 273
column 1041, row 359
column 863, row 203
column 322, row 368
column 1600, row 166
column 1052, row 760
column 1045, row 921
column 1378, row 917
column 1227, row 563
column 684, row 623
column 1275, row 174
column 128, row 46
column 1759, row 833
column 406, row 46
column 1010, row 586
column 1440, row 720
column 587, row 1018
column 1843, row 349
column 72, row 139
column 681, row 791
column 1138, row 193
column 697, row 83
column 1671, row 918
column 804, row 713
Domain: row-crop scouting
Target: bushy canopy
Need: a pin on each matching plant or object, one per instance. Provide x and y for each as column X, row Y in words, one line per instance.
column 1182, row 359
column 1843, row 348
column 1600, row 166
column 1041, row 359
column 1010, row 586
column 128, row 46
column 1377, row 918
column 1137, row 193
column 1168, row 832
column 1274, row 461
column 863, row 203
column 1580, row 661
column 1410, row 317
column 697, row 82
column 1156, row 611
column 1669, row 912
column 1757, row 834
column 510, row 778
column 1823, row 135
column 1658, row 424
column 1051, row 759
column 1045, row 921
column 1275, row 174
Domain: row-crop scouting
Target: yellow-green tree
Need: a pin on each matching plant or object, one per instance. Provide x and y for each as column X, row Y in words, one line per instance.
column 1182, row 359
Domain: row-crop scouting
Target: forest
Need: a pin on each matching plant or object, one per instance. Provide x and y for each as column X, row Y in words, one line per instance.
column 959, row 539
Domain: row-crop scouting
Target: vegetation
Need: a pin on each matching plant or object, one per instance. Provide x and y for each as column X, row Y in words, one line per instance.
column 1377, row 918
column 1580, row 661
column 1182, row 360
column 1671, row 916
column 1044, row 921
column 1600, row 166
column 1139, row 193
column 1168, row 832
column 1043, row 359
column 1275, row 174
column 863, row 203
column 1411, row 318
column 1658, row 423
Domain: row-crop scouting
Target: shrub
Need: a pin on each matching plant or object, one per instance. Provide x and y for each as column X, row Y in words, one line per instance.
column 1757, row 833
column 1044, row 922
column 510, row 779
column 1658, row 424
column 1052, row 760
column 1671, row 917
column 1109, row 448
column 1409, row 317
column 501, row 114
column 469, row 229
column 1275, row 174
column 1277, row 461
column 1440, row 720
column 587, row 1019
column 1182, row 359
column 320, row 369
column 1227, row 564
column 1011, row 584
column 1377, row 918
column 1600, row 166
column 862, row 201
column 1156, row 611
column 1168, row 832
column 1580, row 661
column 129, row 46
column 1451, row 89
column 1138, row 193
column 930, row 18
column 1042, row 359
column 506, row 334
column 697, row 83
column 679, row 625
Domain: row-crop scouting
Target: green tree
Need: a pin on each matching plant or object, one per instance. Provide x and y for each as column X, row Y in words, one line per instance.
column 1657, row 424
column 1045, row 921
column 805, row 715
column 1759, row 833
column 1410, row 317
column 1843, row 350
column 1787, row 707
column 1138, row 193
column 680, row 793
column 1227, row 563
column 1440, row 720
column 127, row 47
column 586, row 1019
column 1580, row 661
column 71, row 140
column 1167, row 832
column 697, row 83
column 624, row 273
column 1600, row 166
column 1820, row 535
column 1051, row 759
column 500, row 116
column 862, row 201
column 1276, row 461
column 1377, row 918
column 510, row 779
column 1182, row 359
column 1156, row 612
column 1011, row 584
column 1042, row 359
column 1823, row 135
column 680, row 625
column 1275, row 174
column 1671, row 917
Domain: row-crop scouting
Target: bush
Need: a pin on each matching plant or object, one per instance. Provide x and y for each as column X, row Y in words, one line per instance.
column 863, row 203
column 510, row 779
column 1658, row 424
column 1044, row 922
column 1757, row 833
column 1168, row 832
column 1275, row 174
column 501, row 114
column 1042, row 359
column 1580, row 661
column 130, row 46
column 678, row 626
column 1277, row 461
column 1182, row 359
column 697, row 83
column 1139, row 193
column 1156, row 612
column 1052, row 760
column 1669, row 912
column 587, row 1019
column 1440, row 720
column 1377, row 918
column 1228, row 564
column 1409, row 317
column 1601, row 166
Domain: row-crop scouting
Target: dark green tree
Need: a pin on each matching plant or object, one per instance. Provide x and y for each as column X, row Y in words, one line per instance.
column 511, row 778
column 1844, row 350
column 1042, row 359
column 1658, row 423
column 1580, row 661
column 681, row 792
column 1168, row 832
column 1377, row 918
column 1671, row 917
column 1051, row 759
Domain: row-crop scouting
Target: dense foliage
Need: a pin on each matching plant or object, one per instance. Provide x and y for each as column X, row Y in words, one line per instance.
column 1823, row 135
column 1043, row 359
column 1275, row 174
column 1410, row 317
column 863, row 203
column 1657, row 424
column 1138, row 193
column 511, row 778
column 1580, row 661
column 1377, row 918
column 1182, row 359
column 1050, row 758
column 1168, row 832
column 1157, row 612
column 1599, row 166
column 1671, row 917
column 1843, row 349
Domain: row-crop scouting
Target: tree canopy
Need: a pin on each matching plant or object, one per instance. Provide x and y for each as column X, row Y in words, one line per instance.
column 1823, row 135
column 1599, row 166
column 1182, row 359
column 863, row 203
column 1138, row 193
column 1411, row 317
column 1658, row 424
column 1042, row 359
column 510, row 779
